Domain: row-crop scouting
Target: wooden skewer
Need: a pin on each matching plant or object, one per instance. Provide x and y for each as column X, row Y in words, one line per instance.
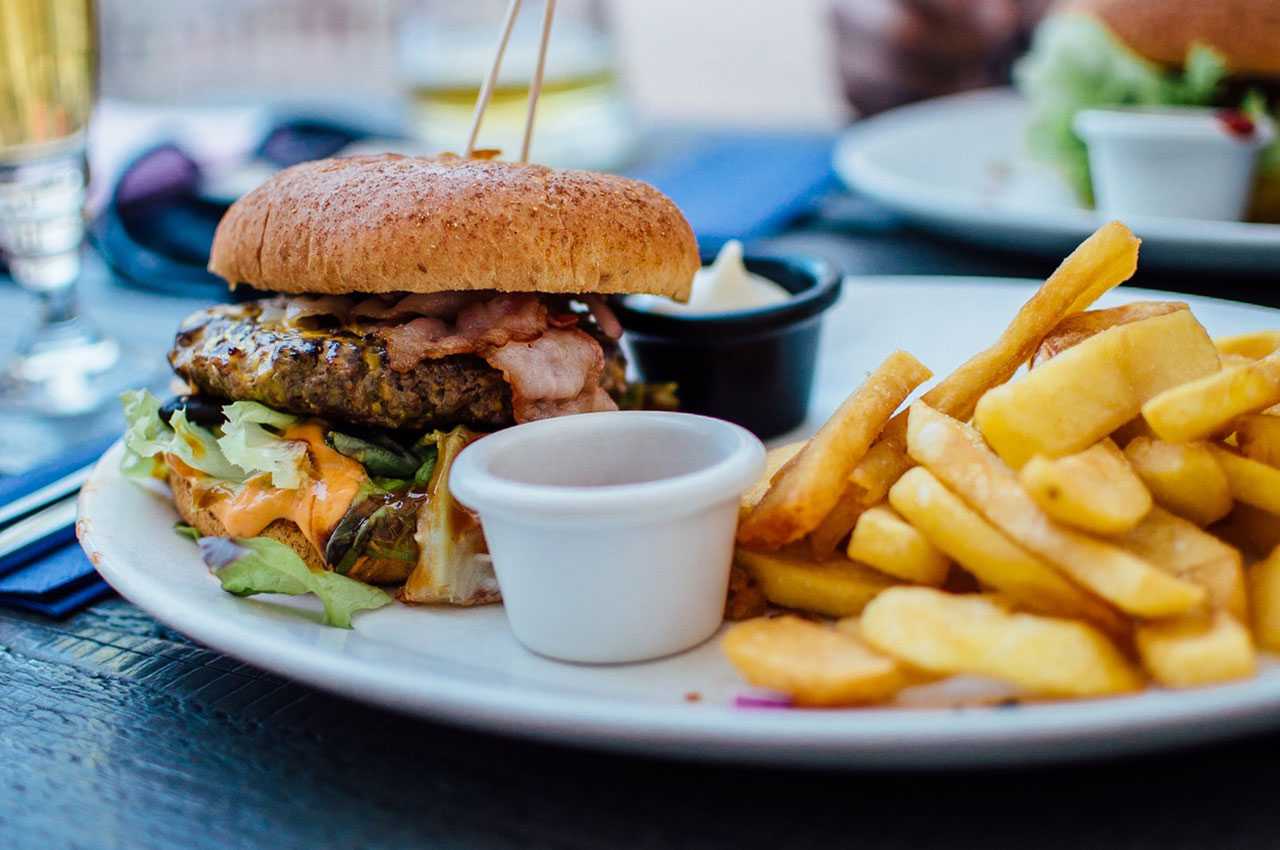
column 486, row 90
column 535, row 87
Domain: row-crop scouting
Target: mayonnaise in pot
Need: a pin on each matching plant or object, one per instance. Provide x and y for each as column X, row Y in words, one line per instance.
column 721, row 287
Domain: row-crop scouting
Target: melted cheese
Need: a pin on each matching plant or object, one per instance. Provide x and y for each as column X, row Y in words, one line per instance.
column 315, row 506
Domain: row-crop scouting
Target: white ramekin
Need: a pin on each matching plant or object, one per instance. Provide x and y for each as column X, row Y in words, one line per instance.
column 1179, row 162
column 611, row 533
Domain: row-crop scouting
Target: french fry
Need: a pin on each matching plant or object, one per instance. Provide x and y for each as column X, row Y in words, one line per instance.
column 1085, row 393
column 1264, row 597
column 885, row 541
column 994, row 559
column 774, row 460
column 1258, row 437
column 836, row 525
column 1093, row 490
column 836, row 587
column 1075, row 329
column 1255, row 345
column 1251, row 530
column 1182, row 477
column 1192, row 651
column 1106, row 259
column 1251, row 482
column 955, row 454
column 1205, row 407
column 948, row 634
column 809, row 485
column 815, row 665
column 1181, row 548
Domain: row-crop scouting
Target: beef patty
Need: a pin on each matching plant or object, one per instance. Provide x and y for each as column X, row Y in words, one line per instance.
column 338, row 374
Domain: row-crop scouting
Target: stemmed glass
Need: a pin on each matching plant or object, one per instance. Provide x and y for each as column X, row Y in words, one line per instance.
column 64, row 366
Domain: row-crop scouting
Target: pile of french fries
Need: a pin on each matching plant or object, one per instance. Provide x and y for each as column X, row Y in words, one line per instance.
column 1106, row 521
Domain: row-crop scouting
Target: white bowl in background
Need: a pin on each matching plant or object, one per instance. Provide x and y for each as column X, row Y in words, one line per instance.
column 1179, row 162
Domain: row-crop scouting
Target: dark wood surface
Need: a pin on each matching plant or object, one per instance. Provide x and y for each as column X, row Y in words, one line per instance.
column 118, row 732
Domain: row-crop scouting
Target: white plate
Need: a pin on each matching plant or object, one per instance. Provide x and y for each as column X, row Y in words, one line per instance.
column 959, row 165
column 463, row 666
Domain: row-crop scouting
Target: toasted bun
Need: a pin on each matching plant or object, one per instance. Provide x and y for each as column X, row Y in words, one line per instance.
column 392, row 223
column 203, row 520
column 1246, row 32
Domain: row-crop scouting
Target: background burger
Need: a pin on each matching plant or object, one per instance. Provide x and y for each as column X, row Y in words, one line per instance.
column 1098, row 53
column 420, row 302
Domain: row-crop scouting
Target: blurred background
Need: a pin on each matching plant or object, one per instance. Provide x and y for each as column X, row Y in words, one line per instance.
column 129, row 125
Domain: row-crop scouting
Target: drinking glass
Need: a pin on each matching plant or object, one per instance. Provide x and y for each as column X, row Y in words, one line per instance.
column 446, row 47
column 64, row 366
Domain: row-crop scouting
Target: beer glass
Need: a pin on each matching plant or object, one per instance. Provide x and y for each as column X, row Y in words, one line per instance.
column 64, row 366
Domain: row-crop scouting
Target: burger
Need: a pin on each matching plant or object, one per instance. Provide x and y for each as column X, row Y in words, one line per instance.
column 408, row 305
column 1100, row 53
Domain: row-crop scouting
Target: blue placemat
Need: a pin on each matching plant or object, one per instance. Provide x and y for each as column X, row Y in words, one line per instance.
column 56, row 579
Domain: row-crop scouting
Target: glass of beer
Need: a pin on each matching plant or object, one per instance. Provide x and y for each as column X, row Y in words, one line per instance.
column 63, row 366
column 445, row 50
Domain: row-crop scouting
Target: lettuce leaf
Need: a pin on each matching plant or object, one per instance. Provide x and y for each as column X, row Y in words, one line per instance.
column 147, row 437
column 249, row 445
column 1075, row 63
column 245, row 448
column 252, row 565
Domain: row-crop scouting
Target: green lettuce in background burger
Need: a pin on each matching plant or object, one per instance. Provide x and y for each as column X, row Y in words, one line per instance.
column 1100, row 53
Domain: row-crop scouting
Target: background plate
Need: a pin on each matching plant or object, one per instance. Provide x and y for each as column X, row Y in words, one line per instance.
column 463, row 666
column 959, row 165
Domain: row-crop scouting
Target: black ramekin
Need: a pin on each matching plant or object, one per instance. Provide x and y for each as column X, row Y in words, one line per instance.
column 753, row 367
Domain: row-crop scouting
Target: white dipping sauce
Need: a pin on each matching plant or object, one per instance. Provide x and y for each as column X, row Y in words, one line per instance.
column 721, row 287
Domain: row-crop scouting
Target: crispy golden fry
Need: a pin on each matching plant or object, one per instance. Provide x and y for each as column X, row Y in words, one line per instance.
column 836, row 525
column 1264, row 598
column 836, row 587
column 1074, row 330
column 810, row 484
column 1106, row 259
column 1229, row 361
column 1254, row 345
column 1258, row 437
column 1191, row 651
column 1183, row 477
column 994, row 559
column 1205, row 407
column 1181, row 548
column 954, row 453
column 1251, row 530
column 884, row 540
column 1094, row 490
column 774, row 460
column 1085, row 393
column 815, row 664
column 949, row 634
column 1251, row 482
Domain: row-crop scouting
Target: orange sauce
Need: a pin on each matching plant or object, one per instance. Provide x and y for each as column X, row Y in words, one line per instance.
column 315, row 506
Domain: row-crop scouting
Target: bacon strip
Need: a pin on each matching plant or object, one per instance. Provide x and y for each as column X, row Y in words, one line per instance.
column 482, row 326
column 556, row 374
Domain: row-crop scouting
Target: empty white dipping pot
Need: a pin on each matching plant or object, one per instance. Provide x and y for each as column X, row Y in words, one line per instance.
column 611, row 533
column 1177, row 162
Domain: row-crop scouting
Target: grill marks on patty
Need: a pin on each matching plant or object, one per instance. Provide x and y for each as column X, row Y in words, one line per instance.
column 339, row 374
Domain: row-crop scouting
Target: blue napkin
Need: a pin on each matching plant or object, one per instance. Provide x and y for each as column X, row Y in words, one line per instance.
column 59, row 579
column 745, row 185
